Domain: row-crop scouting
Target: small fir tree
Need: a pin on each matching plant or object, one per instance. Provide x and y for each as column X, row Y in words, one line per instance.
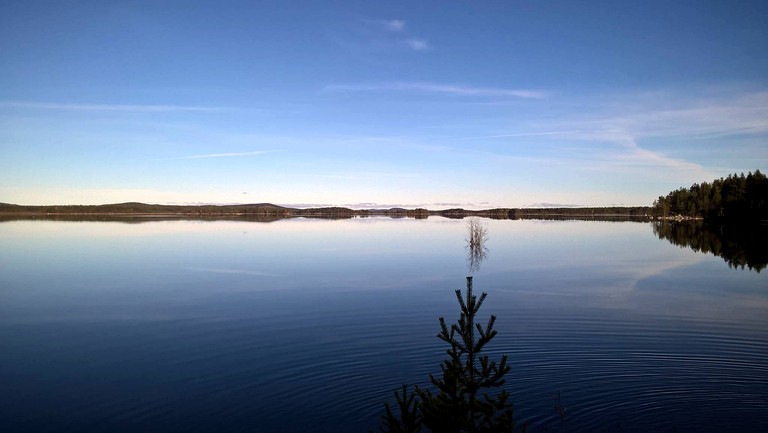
column 465, row 398
column 407, row 420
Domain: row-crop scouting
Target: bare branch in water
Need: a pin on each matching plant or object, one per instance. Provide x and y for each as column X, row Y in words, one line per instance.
column 477, row 235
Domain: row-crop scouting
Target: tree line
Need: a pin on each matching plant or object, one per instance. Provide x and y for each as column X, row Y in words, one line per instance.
column 264, row 210
column 196, row 211
column 734, row 197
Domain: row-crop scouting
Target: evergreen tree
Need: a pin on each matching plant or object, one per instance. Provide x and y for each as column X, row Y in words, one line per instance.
column 736, row 197
column 466, row 399
column 407, row 420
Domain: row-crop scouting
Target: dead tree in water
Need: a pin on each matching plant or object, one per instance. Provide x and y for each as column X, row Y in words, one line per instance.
column 477, row 234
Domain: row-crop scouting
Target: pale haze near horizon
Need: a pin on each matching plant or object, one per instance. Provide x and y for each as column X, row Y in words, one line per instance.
column 375, row 104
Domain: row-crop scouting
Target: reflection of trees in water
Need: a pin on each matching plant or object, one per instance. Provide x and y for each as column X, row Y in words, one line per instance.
column 739, row 245
column 477, row 234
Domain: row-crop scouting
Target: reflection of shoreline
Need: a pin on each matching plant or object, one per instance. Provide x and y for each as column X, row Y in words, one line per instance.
column 739, row 245
column 135, row 218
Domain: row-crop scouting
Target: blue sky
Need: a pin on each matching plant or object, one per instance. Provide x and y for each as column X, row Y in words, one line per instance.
column 378, row 103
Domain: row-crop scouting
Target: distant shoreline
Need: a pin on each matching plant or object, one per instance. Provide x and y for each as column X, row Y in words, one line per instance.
column 271, row 211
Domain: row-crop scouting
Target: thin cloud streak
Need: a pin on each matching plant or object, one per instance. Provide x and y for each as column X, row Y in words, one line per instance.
column 552, row 205
column 522, row 134
column 234, row 272
column 437, row 88
column 624, row 155
column 225, row 155
column 639, row 157
column 737, row 114
column 377, row 205
column 141, row 108
column 357, row 176
column 619, row 128
column 431, row 206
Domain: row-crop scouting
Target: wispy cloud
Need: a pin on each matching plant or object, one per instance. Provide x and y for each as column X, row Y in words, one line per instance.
column 553, row 205
column 521, row 134
column 390, row 34
column 653, row 137
column 670, row 114
column 225, row 155
column 365, row 175
column 417, row 44
column 143, row 108
column 413, row 43
column 435, row 205
column 394, row 25
column 616, row 152
column 436, row 88
column 234, row 272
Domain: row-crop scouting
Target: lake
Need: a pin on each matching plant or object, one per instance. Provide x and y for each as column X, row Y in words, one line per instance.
column 309, row 325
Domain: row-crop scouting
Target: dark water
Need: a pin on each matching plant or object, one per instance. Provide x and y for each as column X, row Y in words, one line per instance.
column 309, row 325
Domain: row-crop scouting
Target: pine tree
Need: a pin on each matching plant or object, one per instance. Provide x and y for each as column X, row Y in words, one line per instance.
column 408, row 419
column 465, row 399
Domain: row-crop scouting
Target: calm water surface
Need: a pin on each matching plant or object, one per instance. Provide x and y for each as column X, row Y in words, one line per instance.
column 309, row 325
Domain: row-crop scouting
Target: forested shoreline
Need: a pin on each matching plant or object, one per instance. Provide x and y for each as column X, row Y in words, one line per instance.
column 271, row 211
column 736, row 197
